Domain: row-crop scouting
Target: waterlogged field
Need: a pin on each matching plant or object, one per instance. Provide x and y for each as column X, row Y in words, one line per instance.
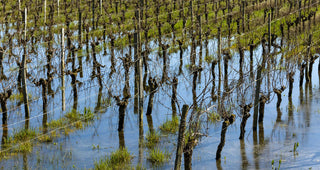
column 106, row 90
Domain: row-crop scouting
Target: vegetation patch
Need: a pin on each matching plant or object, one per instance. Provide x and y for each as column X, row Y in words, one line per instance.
column 158, row 157
column 170, row 126
column 152, row 139
column 22, row 141
column 19, row 142
column 119, row 159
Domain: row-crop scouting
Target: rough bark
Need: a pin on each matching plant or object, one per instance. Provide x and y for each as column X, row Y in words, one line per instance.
column 181, row 136
column 245, row 116
column 3, row 100
column 153, row 85
column 278, row 92
column 174, row 96
column 262, row 102
column 229, row 120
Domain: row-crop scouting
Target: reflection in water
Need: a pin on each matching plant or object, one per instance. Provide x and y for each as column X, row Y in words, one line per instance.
column 25, row 161
column 98, row 106
column 261, row 133
column 290, row 112
column 243, row 155
column 278, row 121
column 308, row 98
column 310, row 89
column 140, row 158
column 306, row 88
column 301, row 95
column 218, row 164
column 255, row 150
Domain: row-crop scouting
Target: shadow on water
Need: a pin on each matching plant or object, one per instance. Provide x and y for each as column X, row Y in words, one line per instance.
column 255, row 151
column 243, row 155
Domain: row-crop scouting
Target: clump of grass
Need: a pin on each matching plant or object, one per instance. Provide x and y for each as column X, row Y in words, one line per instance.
column 152, row 138
column 170, row 126
column 119, row 159
column 20, row 140
column 45, row 138
column 296, row 145
column 88, row 115
column 56, row 123
column 214, row 117
column 24, row 147
column 24, row 135
column 157, row 156
column 74, row 115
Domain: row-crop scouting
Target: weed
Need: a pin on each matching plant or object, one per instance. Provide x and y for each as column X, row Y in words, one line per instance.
column 87, row 114
column 24, row 147
column 157, row 157
column 119, row 159
column 296, row 145
column 73, row 115
column 24, row 135
column 56, row 123
column 170, row 126
column 95, row 147
column 152, row 139
column 45, row 138
column 279, row 164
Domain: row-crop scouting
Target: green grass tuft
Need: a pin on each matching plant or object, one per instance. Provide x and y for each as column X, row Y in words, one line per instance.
column 158, row 157
column 170, row 126
column 152, row 139
column 119, row 159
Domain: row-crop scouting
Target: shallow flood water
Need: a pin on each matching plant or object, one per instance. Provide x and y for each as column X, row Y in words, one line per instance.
column 295, row 122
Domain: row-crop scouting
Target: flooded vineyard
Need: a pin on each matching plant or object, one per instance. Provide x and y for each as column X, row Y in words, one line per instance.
column 170, row 84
